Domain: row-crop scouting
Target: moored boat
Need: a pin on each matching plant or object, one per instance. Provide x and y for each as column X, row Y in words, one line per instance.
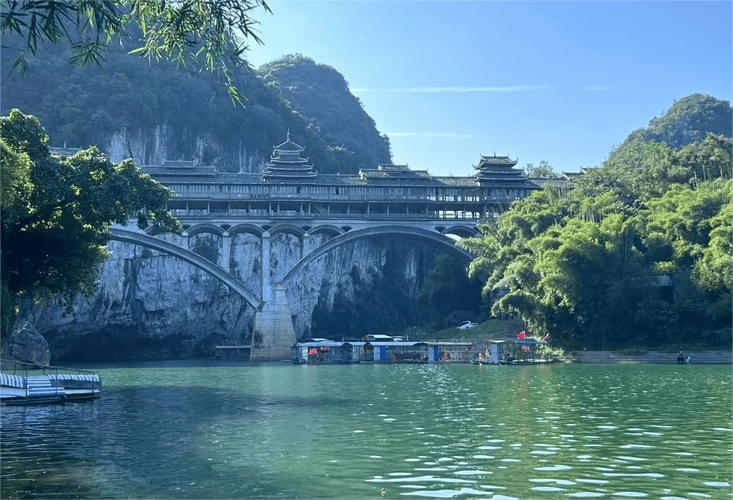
column 24, row 383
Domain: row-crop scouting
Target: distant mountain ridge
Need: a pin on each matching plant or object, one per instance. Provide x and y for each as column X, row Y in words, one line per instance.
column 688, row 120
column 321, row 95
column 153, row 113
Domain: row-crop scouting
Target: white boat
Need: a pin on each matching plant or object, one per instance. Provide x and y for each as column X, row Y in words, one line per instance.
column 23, row 384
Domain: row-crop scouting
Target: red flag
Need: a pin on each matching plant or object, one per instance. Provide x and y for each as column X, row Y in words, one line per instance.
column 545, row 338
column 521, row 335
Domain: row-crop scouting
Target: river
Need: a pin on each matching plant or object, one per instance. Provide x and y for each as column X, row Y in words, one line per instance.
column 203, row 429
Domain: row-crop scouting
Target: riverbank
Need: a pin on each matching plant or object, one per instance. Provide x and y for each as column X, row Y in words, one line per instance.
column 696, row 357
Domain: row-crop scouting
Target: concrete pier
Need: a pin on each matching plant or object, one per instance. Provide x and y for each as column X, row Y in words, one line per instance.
column 273, row 334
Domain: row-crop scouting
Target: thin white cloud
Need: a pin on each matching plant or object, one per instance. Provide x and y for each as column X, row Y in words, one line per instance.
column 597, row 87
column 435, row 90
column 430, row 134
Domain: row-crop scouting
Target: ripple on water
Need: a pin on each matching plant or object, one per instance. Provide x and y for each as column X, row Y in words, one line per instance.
column 554, row 468
column 547, row 488
column 717, row 484
column 560, row 482
column 586, row 494
column 419, row 479
column 472, row 472
column 654, row 475
column 629, row 494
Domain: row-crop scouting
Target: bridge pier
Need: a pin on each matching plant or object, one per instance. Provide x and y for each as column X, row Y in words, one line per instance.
column 273, row 334
column 226, row 251
column 265, row 266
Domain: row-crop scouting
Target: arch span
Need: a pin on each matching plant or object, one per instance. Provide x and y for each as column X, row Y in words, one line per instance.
column 326, row 228
column 245, row 228
column 187, row 256
column 287, row 228
column 360, row 234
column 205, row 228
column 461, row 231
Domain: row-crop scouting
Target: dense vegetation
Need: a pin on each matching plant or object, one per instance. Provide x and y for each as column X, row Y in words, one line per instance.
column 56, row 213
column 83, row 106
column 639, row 253
column 210, row 34
column 320, row 93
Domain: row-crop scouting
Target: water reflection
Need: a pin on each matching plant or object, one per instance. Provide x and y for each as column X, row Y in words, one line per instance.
column 177, row 430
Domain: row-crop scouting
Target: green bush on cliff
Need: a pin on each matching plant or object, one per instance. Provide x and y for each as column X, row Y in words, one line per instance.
column 56, row 213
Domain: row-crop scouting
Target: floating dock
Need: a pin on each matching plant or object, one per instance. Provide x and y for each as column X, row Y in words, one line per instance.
column 24, row 384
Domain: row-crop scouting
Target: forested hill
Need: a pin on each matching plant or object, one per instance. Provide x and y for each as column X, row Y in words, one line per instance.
column 153, row 112
column 321, row 95
column 689, row 120
column 639, row 254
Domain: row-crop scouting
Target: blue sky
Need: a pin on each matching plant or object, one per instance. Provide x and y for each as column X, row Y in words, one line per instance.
column 558, row 81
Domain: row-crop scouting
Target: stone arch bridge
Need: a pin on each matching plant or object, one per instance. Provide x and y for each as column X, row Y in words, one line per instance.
column 321, row 212
column 273, row 333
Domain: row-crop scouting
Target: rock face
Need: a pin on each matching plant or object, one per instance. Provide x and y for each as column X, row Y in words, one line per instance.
column 155, row 146
column 26, row 345
column 151, row 305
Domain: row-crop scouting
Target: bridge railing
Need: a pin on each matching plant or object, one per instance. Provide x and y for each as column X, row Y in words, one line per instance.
column 182, row 195
column 287, row 214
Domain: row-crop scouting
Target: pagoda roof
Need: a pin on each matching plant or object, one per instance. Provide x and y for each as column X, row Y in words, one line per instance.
column 281, row 160
column 489, row 161
column 289, row 145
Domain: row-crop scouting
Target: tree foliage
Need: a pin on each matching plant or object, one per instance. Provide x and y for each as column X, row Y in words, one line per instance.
column 544, row 170
column 447, row 289
column 213, row 34
column 638, row 253
column 83, row 106
column 56, row 213
column 321, row 94
column 688, row 120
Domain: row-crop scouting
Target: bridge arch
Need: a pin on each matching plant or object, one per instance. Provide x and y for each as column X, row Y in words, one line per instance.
column 192, row 258
column 204, row 228
column 360, row 234
column 461, row 231
column 246, row 228
column 326, row 228
column 287, row 228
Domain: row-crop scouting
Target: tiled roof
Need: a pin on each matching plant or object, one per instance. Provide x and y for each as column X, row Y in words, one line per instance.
column 289, row 146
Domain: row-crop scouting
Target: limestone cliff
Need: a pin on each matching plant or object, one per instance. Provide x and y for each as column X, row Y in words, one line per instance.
column 151, row 305
column 154, row 113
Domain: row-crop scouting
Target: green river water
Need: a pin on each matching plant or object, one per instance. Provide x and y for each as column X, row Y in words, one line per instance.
column 210, row 430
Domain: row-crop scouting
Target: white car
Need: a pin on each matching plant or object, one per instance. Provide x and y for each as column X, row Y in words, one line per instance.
column 466, row 325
